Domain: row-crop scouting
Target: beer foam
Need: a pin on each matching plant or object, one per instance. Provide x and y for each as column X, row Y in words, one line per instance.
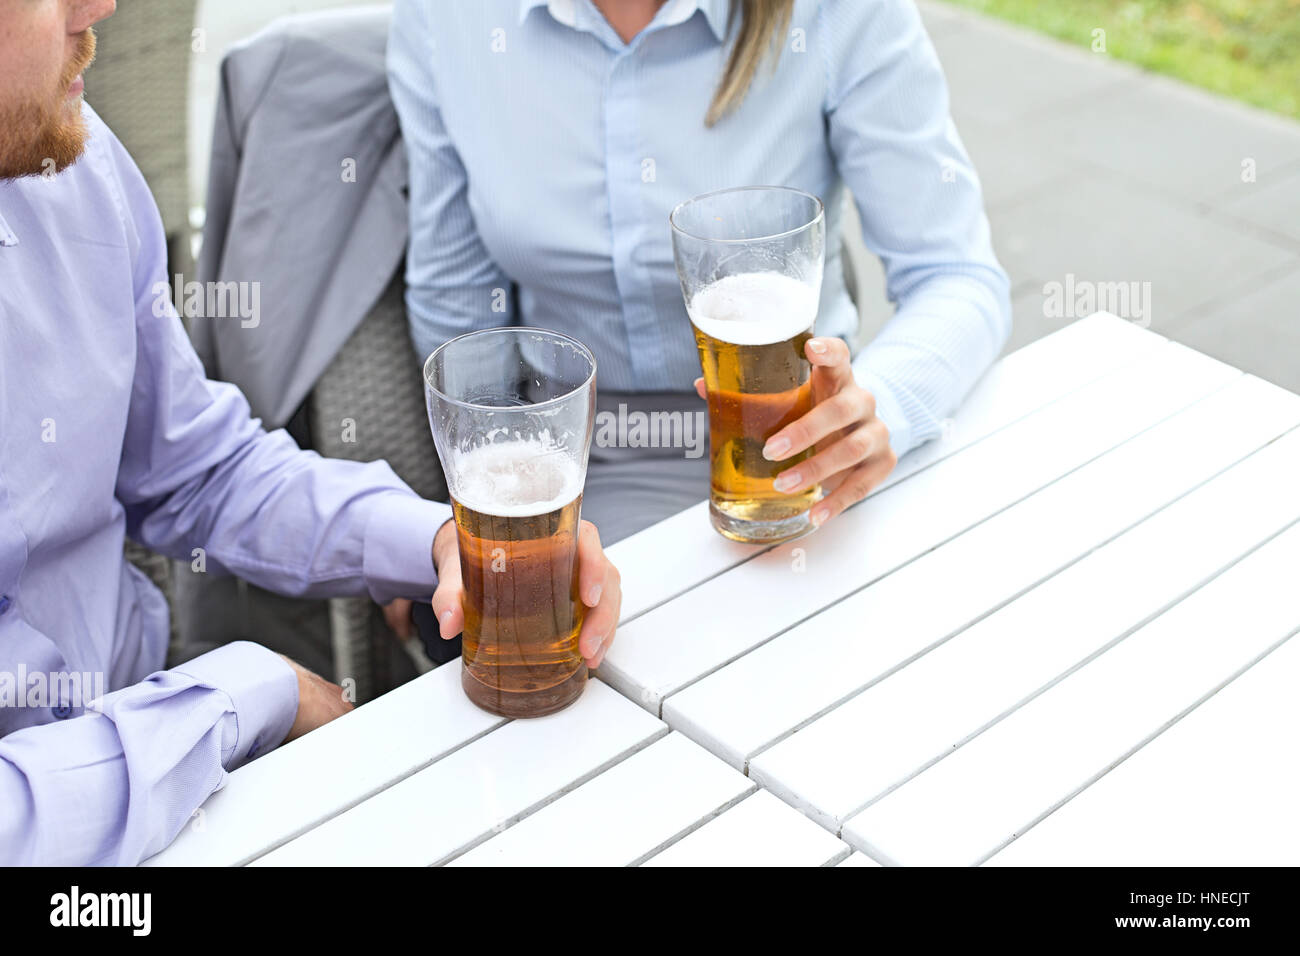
column 517, row 478
column 754, row 308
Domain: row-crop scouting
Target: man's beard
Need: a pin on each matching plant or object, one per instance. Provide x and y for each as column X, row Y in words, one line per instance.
column 41, row 138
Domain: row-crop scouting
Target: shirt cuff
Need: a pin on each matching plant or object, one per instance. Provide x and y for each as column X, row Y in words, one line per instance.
column 263, row 690
column 890, row 409
column 397, row 559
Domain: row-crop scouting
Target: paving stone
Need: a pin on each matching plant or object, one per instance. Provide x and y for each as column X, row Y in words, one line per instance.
column 1258, row 331
column 1101, row 229
column 1170, row 137
column 1272, row 203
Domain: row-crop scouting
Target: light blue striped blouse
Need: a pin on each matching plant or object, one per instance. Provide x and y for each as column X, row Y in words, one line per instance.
column 546, row 155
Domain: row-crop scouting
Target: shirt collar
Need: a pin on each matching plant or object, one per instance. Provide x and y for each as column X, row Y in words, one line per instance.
column 716, row 12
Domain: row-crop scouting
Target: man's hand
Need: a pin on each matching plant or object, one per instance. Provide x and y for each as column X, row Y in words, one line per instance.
column 319, row 701
column 397, row 615
column 599, row 588
column 853, row 453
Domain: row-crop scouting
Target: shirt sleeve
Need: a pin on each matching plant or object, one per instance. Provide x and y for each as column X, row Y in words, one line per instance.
column 116, row 785
column 200, row 478
column 453, row 285
column 922, row 213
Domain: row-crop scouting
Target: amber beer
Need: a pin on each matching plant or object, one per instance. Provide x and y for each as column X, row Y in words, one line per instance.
column 517, row 525
column 751, row 330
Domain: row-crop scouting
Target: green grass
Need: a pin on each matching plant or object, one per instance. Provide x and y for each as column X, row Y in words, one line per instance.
column 1247, row 49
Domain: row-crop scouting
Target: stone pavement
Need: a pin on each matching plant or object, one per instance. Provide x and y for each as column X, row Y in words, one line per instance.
column 1096, row 173
column 1096, row 169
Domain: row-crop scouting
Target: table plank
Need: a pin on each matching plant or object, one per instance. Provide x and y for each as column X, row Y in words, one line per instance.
column 758, row 831
column 970, row 804
column 899, row 726
column 301, row 784
column 756, row 700
column 1018, row 385
column 478, row 790
column 625, row 814
column 1210, row 791
column 706, row 628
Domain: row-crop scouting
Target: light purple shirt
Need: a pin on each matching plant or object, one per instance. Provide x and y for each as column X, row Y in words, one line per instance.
column 108, row 427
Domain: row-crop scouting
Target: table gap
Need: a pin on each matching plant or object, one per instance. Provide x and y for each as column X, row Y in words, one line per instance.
column 378, row 790
column 522, row 815
column 678, row 837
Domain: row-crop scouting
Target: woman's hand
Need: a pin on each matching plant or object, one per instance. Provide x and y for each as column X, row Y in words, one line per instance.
column 853, row 453
column 599, row 588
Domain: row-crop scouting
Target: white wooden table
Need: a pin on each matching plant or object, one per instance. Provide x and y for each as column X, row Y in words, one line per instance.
column 1059, row 635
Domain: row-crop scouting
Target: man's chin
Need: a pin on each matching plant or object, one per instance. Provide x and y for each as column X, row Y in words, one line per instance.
column 44, row 145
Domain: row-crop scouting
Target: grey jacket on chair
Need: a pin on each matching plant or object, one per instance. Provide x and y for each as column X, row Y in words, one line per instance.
column 306, row 197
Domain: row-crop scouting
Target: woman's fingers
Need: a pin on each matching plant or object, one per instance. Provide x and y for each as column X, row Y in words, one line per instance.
column 855, row 447
column 700, row 390
column 832, row 365
column 397, row 615
column 857, row 484
column 842, row 410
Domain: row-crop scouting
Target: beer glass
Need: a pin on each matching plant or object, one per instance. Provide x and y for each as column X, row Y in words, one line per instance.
column 750, row 263
column 511, row 411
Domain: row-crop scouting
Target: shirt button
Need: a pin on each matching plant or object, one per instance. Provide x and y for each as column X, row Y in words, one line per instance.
column 4, row 603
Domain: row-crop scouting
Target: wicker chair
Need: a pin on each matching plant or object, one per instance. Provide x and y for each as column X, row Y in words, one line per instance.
column 139, row 85
column 369, row 404
column 864, row 276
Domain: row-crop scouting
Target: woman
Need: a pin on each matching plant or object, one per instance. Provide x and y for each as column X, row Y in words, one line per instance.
column 548, row 142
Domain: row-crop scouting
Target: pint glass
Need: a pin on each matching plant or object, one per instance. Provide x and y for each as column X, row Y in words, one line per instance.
column 750, row 263
column 511, row 412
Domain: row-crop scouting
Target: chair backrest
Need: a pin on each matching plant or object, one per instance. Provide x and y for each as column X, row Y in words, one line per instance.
column 159, row 570
column 369, row 403
column 863, row 275
column 140, row 86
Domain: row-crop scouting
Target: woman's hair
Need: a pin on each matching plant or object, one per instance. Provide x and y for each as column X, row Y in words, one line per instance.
column 763, row 25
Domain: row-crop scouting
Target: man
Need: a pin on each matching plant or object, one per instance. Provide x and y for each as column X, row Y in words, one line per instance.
column 108, row 427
